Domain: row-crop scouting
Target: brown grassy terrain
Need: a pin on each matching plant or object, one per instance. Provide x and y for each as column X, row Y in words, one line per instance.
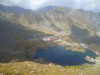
column 32, row 68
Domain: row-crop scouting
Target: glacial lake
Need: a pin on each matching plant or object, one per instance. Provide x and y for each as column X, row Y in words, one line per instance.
column 59, row 55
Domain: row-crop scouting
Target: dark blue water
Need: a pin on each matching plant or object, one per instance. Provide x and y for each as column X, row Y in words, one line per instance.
column 59, row 55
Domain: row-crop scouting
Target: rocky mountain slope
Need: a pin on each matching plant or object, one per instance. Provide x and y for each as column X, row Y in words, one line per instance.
column 55, row 20
column 21, row 31
column 31, row 68
column 18, row 23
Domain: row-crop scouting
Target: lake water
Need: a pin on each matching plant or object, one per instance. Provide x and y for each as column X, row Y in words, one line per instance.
column 59, row 55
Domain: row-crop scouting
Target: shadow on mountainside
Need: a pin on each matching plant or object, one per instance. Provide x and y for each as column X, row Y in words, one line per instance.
column 16, row 41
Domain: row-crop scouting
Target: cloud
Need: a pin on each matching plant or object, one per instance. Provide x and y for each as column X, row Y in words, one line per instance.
column 87, row 4
column 10, row 2
column 29, row 4
column 91, row 5
column 35, row 4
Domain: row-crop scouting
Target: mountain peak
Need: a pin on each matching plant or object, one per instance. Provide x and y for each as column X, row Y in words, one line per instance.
column 14, row 9
column 44, row 9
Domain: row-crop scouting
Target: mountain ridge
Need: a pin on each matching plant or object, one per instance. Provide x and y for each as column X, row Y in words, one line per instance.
column 55, row 19
column 82, row 25
column 22, row 33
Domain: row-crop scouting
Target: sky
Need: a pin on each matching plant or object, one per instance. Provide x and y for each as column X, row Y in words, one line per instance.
column 89, row 5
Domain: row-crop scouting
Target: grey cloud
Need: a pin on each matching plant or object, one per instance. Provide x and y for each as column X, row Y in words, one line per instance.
column 92, row 5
